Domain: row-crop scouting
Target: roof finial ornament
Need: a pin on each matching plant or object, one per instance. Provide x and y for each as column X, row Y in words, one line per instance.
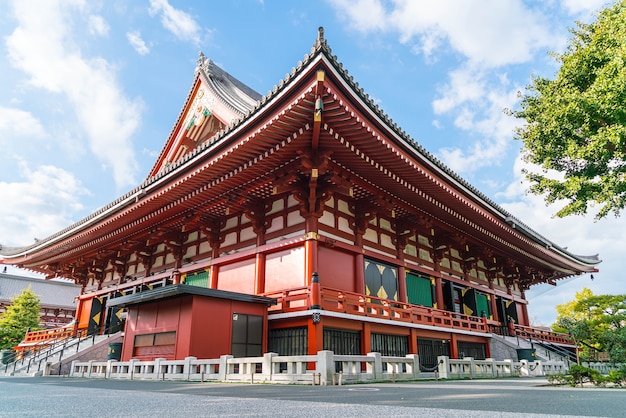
column 320, row 36
column 201, row 58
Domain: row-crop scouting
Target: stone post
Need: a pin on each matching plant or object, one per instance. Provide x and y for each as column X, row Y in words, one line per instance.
column 377, row 369
column 413, row 366
column 267, row 367
column 443, row 366
column 524, row 371
column 325, row 366
column 223, row 373
column 187, row 366
column 157, row 369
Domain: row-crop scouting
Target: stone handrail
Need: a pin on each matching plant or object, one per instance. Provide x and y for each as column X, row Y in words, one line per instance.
column 319, row 369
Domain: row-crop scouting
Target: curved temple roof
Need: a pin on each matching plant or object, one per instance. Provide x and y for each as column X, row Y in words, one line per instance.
column 249, row 107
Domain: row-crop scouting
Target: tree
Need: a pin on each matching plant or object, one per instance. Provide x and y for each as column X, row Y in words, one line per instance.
column 20, row 316
column 597, row 321
column 576, row 123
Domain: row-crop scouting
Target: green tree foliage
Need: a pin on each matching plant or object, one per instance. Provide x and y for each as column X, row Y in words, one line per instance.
column 597, row 321
column 576, row 123
column 18, row 318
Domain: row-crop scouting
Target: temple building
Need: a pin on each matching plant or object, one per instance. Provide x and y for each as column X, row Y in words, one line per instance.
column 57, row 299
column 294, row 222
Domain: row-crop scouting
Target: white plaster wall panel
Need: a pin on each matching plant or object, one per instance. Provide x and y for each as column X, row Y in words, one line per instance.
column 327, row 219
column 344, row 225
column 246, row 234
column 230, row 239
column 276, row 225
column 294, row 218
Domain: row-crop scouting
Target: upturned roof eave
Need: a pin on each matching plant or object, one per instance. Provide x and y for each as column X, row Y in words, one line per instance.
column 320, row 51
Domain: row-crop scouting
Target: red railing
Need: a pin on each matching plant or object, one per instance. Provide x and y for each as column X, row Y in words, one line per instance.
column 36, row 340
column 537, row 334
column 336, row 300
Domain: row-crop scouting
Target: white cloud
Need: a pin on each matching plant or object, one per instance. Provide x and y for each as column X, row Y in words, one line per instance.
column 43, row 203
column 465, row 84
column 179, row 23
column 584, row 6
column 480, row 111
column 16, row 122
column 98, row 26
column 362, row 15
column 490, row 33
column 43, row 40
column 136, row 42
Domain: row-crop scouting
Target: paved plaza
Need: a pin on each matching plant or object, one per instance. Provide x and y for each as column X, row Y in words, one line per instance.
column 68, row 397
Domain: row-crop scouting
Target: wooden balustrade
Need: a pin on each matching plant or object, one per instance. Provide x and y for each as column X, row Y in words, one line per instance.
column 36, row 340
column 537, row 334
column 336, row 300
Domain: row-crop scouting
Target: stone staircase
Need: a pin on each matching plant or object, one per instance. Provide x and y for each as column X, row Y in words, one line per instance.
column 510, row 345
column 57, row 358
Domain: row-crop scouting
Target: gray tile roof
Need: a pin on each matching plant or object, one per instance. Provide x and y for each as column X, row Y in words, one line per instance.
column 51, row 293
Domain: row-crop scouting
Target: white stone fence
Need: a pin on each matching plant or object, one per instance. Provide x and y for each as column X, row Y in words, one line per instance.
column 320, row 369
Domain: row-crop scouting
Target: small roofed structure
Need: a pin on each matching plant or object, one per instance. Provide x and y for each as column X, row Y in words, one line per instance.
column 189, row 318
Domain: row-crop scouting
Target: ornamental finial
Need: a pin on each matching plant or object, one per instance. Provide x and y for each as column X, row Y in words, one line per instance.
column 201, row 58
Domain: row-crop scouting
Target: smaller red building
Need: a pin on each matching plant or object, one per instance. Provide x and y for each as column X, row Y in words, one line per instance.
column 179, row 321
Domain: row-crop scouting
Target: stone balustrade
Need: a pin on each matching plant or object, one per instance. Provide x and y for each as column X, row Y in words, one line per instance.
column 324, row 368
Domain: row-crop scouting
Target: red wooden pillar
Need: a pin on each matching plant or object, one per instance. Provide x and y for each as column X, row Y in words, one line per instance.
column 315, row 336
column 454, row 349
column 259, row 264
column 213, row 276
column 413, row 341
column 402, row 284
column 367, row 338
column 259, row 267
column 439, row 291
column 492, row 300
column 310, row 248
column 359, row 266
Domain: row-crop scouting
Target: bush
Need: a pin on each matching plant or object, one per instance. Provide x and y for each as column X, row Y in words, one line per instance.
column 581, row 374
column 617, row 377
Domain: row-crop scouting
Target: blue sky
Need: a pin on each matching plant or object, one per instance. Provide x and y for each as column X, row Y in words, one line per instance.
column 90, row 91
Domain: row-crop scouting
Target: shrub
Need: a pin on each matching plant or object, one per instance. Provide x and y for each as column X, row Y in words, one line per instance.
column 581, row 374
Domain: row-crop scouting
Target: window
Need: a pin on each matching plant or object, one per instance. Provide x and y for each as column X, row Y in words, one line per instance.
column 158, row 344
column 341, row 341
column 198, row 278
column 419, row 290
column 288, row 342
column 381, row 280
column 482, row 305
column 390, row 345
column 247, row 335
column 428, row 350
column 474, row 350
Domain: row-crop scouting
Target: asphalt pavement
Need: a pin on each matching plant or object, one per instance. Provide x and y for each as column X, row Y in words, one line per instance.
column 524, row 397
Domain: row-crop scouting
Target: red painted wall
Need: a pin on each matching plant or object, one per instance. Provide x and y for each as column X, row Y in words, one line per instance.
column 335, row 269
column 237, row 277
